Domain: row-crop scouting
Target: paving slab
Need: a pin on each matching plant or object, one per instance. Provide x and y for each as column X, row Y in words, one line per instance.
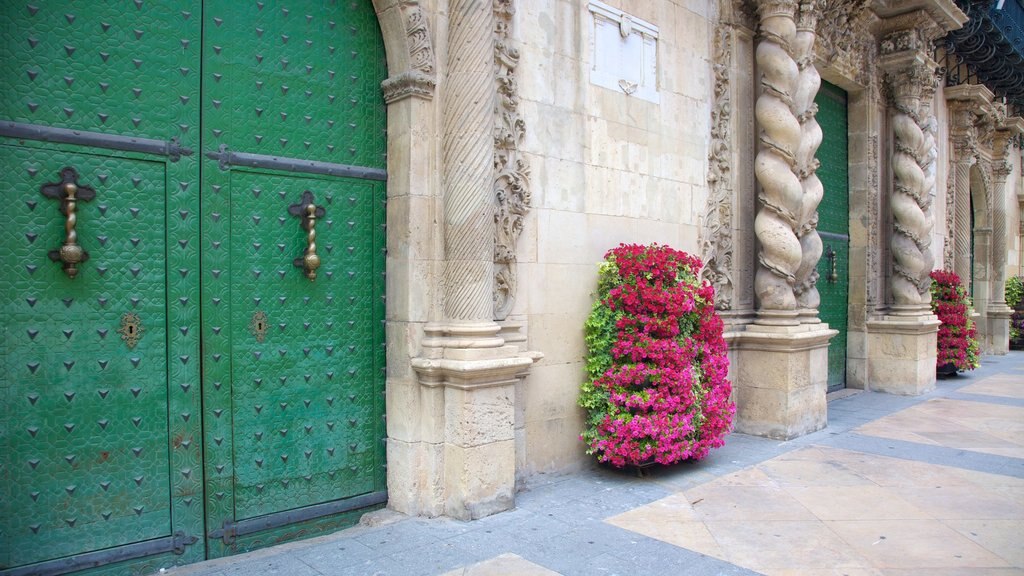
column 894, row 486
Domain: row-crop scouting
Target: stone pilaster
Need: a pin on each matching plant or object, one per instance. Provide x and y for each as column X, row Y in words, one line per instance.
column 781, row 370
column 467, row 372
column 998, row 314
column 966, row 105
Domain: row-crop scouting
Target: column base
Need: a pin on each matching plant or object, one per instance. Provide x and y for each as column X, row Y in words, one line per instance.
column 998, row 332
column 477, row 375
column 901, row 354
column 780, row 379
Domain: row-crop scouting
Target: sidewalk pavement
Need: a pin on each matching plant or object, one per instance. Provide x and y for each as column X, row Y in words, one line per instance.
column 899, row 486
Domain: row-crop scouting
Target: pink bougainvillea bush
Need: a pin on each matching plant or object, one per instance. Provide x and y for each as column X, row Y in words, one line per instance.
column 958, row 336
column 656, row 363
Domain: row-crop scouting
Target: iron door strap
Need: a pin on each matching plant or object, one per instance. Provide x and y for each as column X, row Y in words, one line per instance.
column 230, row 530
column 227, row 158
column 175, row 543
column 172, row 148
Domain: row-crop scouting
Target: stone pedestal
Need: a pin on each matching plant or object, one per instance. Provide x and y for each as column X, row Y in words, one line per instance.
column 781, row 379
column 998, row 332
column 901, row 354
column 476, row 374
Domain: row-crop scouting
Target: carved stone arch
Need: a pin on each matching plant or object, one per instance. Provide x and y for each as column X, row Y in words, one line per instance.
column 408, row 43
column 981, row 234
column 981, row 193
column 411, row 209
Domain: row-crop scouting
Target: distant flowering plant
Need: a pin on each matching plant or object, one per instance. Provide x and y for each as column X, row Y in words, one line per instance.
column 958, row 336
column 656, row 386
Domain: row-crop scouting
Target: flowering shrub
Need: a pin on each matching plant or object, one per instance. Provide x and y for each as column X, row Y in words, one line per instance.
column 656, row 363
column 1014, row 294
column 957, row 341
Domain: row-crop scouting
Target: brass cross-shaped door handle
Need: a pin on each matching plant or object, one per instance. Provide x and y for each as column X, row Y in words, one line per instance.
column 308, row 212
column 69, row 192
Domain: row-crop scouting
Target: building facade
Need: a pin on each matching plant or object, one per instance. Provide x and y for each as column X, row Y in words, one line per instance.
column 326, row 258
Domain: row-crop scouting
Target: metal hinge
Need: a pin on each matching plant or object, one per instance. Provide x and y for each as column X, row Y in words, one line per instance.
column 180, row 540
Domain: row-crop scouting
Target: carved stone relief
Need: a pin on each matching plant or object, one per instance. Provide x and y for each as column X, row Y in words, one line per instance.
column 512, row 169
column 874, row 225
column 717, row 232
column 419, row 79
column 844, row 42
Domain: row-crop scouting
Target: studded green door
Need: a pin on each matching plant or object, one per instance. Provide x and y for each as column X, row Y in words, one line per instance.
column 100, row 432
column 194, row 136
column 293, row 263
column 834, row 226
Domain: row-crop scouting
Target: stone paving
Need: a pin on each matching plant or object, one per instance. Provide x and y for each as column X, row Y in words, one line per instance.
column 894, row 486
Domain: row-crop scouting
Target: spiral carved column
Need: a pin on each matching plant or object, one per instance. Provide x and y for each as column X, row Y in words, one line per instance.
column 808, row 82
column 467, row 155
column 781, row 194
column 911, row 86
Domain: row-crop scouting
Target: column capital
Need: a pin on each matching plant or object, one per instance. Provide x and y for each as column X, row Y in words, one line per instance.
column 910, row 76
column 776, row 8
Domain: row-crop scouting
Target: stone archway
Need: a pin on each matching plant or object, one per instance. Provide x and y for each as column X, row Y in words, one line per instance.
column 980, row 223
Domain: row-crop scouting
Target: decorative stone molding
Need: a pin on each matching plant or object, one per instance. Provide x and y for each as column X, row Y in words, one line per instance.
column 716, row 234
column 512, row 169
column 781, row 193
column 874, row 227
column 911, row 83
column 844, row 41
column 808, row 82
column 418, row 81
column 407, row 84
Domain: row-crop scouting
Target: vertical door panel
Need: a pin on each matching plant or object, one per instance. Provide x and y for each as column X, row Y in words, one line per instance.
column 293, row 367
column 305, row 418
column 834, row 226
column 99, row 440
column 86, row 424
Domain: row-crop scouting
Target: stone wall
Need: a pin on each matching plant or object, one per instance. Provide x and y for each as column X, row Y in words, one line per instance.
column 607, row 167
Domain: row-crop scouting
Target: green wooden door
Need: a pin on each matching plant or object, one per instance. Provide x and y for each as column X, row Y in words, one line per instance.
column 100, row 436
column 293, row 366
column 194, row 133
column 834, row 226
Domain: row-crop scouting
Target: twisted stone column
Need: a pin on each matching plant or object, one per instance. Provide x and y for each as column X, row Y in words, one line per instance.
column 781, row 194
column 467, row 154
column 808, row 82
column 911, row 86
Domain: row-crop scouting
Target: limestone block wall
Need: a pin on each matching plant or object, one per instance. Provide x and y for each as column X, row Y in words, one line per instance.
column 606, row 168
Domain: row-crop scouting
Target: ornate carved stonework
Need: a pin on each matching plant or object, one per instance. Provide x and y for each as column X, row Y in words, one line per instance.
column 716, row 235
column 512, row 170
column 948, row 241
column 844, row 41
column 873, row 225
column 910, row 84
column 904, row 41
column 408, row 83
column 419, row 80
